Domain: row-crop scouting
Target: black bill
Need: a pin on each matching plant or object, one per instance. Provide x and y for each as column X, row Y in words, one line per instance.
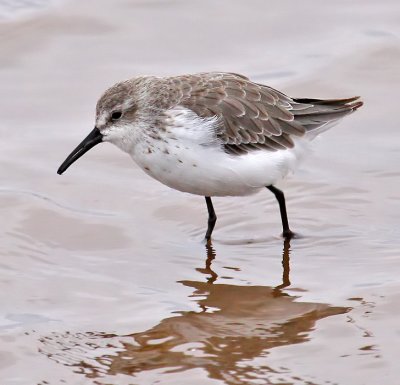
column 95, row 137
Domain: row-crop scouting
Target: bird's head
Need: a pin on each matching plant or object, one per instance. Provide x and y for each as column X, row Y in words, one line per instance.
column 122, row 113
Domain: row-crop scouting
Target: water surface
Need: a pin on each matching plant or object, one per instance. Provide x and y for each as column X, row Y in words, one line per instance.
column 104, row 278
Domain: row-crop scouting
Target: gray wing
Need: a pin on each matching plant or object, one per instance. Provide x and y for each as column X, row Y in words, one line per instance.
column 256, row 116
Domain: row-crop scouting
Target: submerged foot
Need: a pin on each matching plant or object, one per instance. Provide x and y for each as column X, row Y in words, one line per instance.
column 207, row 240
column 289, row 234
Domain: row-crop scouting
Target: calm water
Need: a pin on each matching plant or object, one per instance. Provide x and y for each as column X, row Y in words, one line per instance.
column 104, row 278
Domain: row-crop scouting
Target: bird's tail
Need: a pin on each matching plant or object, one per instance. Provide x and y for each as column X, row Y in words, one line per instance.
column 318, row 115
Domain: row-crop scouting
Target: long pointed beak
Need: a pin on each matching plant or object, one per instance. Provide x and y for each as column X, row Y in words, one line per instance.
column 95, row 137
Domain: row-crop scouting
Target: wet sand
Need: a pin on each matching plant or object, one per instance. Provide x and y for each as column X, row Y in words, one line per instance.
column 104, row 278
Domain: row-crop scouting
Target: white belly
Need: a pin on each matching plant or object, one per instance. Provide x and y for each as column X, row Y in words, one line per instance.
column 186, row 156
column 209, row 171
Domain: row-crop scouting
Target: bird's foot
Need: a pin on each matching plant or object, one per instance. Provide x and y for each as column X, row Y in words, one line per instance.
column 289, row 234
column 207, row 240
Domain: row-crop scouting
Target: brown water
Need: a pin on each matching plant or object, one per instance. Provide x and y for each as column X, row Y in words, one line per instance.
column 104, row 278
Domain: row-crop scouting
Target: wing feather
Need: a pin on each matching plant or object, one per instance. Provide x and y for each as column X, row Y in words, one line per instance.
column 255, row 116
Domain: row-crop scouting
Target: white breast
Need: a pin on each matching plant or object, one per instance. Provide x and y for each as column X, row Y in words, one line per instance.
column 188, row 157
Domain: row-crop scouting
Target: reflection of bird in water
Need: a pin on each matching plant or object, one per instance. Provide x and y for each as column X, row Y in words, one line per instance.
column 236, row 324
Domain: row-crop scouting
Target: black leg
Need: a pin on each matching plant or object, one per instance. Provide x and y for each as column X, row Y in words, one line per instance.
column 212, row 218
column 280, row 197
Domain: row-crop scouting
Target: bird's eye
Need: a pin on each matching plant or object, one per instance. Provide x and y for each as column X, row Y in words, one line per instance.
column 116, row 115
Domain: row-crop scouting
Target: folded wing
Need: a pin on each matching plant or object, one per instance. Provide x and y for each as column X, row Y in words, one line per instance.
column 254, row 116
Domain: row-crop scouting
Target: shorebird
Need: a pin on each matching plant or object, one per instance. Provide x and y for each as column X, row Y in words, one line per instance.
column 211, row 134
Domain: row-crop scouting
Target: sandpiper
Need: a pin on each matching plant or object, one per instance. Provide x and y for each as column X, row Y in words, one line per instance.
column 211, row 134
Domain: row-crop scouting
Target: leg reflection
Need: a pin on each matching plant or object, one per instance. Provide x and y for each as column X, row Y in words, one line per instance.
column 211, row 254
column 286, row 267
column 212, row 275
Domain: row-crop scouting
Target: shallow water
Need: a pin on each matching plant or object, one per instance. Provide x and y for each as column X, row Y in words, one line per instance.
column 104, row 278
